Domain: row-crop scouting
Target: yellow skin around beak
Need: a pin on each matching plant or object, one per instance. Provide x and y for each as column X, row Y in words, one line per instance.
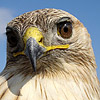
column 34, row 32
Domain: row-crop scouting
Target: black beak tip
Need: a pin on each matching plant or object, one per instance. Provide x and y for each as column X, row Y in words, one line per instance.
column 33, row 65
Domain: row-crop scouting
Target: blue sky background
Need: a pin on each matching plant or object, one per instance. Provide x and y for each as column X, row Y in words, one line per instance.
column 87, row 11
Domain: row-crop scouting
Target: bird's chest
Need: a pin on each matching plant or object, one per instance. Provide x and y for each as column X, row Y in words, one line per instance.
column 47, row 89
column 41, row 89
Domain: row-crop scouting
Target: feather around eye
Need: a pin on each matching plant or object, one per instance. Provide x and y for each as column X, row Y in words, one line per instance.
column 64, row 29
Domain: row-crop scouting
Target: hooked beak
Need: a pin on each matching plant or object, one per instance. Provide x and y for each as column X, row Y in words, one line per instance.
column 34, row 46
column 33, row 51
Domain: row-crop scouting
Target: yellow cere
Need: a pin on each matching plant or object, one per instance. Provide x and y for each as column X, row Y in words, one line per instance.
column 37, row 35
column 33, row 32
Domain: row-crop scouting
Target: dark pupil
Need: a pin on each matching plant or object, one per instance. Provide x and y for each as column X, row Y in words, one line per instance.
column 65, row 29
column 12, row 40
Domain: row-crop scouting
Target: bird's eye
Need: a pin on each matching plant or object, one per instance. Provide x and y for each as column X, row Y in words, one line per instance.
column 64, row 29
column 12, row 38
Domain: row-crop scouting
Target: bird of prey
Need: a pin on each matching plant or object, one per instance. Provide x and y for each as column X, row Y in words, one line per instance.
column 49, row 57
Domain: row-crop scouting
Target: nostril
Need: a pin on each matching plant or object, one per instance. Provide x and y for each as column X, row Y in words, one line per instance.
column 41, row 40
